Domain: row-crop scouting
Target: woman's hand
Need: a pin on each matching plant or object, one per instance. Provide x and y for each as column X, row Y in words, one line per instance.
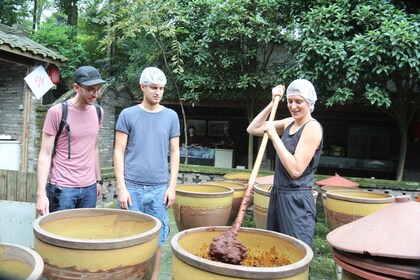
column 278, row 90
column 270, row 129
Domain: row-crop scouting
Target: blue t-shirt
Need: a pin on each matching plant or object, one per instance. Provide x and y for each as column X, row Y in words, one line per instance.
column 146, row 154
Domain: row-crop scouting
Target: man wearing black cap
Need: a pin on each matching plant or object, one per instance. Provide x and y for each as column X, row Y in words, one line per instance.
column 69, row 175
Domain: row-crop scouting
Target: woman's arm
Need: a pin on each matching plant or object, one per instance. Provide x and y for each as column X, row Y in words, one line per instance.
column 256, row 127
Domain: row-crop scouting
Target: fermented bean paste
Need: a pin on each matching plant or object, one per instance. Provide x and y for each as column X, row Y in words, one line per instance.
column 254, row 258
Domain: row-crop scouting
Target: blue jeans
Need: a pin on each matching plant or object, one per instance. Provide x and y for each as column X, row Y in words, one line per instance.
column 149, row 200
column 62, row 198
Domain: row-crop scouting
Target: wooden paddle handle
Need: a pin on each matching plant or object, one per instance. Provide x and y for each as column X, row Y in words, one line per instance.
column 245, row 200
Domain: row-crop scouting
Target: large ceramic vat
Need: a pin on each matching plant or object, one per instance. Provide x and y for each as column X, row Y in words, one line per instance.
column 239, row 189
column 383, row 245
column 324, row 190
column 261, row 201
column 238, row 176
column 343, row 207
column 18, row 262
column 97, row 244
column 186, row 265
column 198, row 205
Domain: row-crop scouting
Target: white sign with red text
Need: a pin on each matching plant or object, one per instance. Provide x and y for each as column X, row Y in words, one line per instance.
column 39, row 82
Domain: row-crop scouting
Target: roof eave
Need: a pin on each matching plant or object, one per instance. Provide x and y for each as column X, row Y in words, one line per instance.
column 17, row 52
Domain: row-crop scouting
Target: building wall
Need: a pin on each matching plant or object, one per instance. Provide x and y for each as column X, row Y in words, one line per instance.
column 11, row 97
column 35, row 133
column 412, row 165
column 112, row 101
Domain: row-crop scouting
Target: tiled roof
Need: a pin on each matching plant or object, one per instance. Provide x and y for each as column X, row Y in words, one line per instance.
column 15, row 41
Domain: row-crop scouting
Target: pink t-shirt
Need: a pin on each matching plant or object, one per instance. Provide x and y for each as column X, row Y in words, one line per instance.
column 79, row 170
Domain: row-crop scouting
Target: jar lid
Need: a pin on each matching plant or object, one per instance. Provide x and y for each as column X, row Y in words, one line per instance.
column 265, row 180
column 390, row 232
column 338, row 181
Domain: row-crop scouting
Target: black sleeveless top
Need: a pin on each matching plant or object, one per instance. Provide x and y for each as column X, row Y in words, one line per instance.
column 282, row 179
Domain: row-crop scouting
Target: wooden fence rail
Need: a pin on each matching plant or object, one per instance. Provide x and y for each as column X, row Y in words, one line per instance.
column 17, row 186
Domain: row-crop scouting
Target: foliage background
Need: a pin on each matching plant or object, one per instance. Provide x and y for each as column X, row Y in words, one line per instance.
column 355, row 52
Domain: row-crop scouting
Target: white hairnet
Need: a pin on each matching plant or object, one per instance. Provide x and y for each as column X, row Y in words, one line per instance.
column 152, row 75
column 305, row 89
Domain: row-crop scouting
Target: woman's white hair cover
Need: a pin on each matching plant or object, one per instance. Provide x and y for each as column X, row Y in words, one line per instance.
column 305, row 89
column 152, row 75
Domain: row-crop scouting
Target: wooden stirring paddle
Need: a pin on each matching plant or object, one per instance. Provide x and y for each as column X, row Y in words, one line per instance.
column 226, row 248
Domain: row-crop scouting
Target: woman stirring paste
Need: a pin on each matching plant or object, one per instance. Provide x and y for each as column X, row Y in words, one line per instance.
column 292, row 209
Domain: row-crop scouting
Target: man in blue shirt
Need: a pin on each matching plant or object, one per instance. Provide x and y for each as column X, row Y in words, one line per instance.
column 145, row 135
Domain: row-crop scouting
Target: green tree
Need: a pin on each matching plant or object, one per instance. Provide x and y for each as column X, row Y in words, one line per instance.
column 13, row 11
column 69, row 8
column 150, row 26
column 41, row 6
column 232, row 50
column 90, row 32
column 366, row 51
column 59, row 37
column 229, row 46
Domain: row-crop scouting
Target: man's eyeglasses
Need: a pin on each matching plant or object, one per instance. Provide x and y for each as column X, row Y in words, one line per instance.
column 91, row 90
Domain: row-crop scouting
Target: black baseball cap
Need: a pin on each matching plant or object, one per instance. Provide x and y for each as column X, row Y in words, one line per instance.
column 88, row 76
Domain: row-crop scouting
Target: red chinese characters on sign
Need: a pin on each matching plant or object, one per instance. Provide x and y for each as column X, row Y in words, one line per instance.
column 39, row 82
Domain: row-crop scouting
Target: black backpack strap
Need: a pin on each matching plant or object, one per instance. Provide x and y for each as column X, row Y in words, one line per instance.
column 99, row 112
column 63, row 123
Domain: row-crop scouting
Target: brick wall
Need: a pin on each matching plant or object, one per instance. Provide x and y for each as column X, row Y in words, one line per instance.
column 11, row 97
column 12, row 104
column 112, row 101
column 35, row 134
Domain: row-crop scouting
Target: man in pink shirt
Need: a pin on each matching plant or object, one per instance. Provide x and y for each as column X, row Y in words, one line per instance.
column 70, row 176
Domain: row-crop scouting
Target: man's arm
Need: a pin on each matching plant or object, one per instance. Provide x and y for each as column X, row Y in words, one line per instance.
column 43, row 170
column 99, row 189
column 174, row 169
column 120, row 144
